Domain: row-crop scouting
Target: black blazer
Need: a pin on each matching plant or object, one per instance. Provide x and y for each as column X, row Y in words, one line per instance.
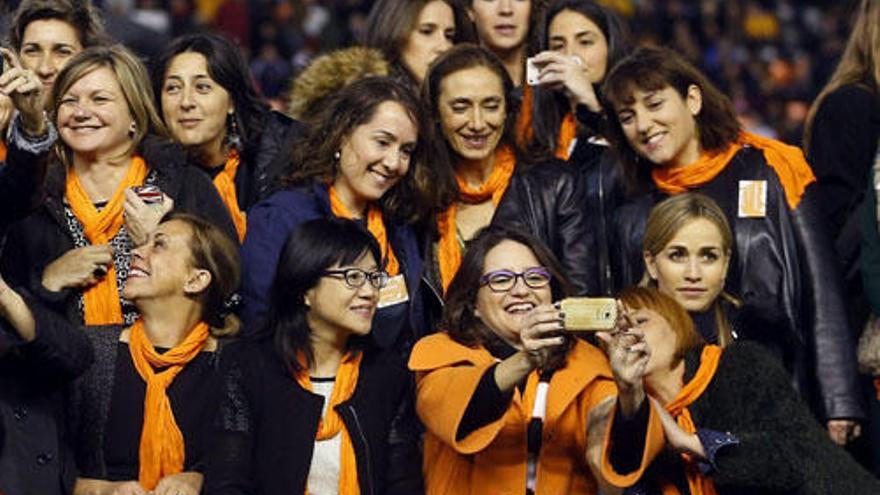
column 267, row 424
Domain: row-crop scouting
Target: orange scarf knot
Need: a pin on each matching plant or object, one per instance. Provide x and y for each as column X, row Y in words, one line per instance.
column 678, row 409
column 375, row 225
column 162, row 449
column 449, row 251
column 224, row 182
column 525, row 131
column 787, row 161
column 101, row 301
column 331, row 424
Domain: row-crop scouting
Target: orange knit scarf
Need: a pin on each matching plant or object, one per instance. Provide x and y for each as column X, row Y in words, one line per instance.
column 697, row 483
column 331, row 424
column 102, row 305
column 449, row 251
column 787, row 161
column 162, row 450
column 376, row 226
column 224, row 182
column 525, row 132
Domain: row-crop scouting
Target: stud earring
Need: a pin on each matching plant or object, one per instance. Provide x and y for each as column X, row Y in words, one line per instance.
column 132, row 130
column 337, row 155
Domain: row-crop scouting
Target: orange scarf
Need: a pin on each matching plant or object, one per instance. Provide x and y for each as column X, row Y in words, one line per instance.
column 787, row 161
column 449, row 251
column 3, row 151
column 331, row 424
column 162, row 448
column 102, row 306
column 525, row 132
column 224, row 182
column 697, row 483
column 376, row 226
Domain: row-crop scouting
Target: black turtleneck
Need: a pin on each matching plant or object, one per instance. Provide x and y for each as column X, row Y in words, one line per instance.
column 706, row 324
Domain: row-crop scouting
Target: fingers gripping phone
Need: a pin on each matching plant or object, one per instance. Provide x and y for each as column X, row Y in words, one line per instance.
column 589, row 314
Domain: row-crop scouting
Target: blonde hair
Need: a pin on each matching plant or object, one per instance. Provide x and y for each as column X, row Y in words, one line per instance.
column 671, row 215
column 859, row 62
column 133, row 80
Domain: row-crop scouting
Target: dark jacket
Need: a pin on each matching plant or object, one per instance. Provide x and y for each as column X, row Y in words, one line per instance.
column 870, row 265
column 91, row 398
column 783, row 270
column 270, row 223
column 21, row 185
column 43, row 236
column 34, row 457
column 547, row 200
column 267, row 425
column 781, row 449
column 266, row 159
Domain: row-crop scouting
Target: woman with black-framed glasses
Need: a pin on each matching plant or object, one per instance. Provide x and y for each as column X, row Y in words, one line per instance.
column 315, row 406
column 503, row 378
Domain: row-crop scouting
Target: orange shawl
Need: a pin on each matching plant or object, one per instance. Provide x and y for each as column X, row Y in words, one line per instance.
column 162, row 448
column 449, row 251
column 697, row 483
column 2, row 150
column 525, row 132
column 102, row 306
column 224, row 182
column 331, row 424
column 376, row 226
column 787, row 161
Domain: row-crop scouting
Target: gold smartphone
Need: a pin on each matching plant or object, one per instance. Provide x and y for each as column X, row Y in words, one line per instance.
column 589, row 314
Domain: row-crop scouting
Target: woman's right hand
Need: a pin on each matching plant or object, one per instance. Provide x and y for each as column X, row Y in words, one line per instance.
column 541, row 333
column 561, row 72
column 628, row 354
column 80, row 267
column 26, row 91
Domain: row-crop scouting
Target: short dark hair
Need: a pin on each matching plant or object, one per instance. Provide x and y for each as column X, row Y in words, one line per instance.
column 652, row 69
column 212, row 250
column 80, row 14
column 549, row 106
column 311, row 248
column 461, row 57
column 390, row 23
column 459, row 319
column 353, row 106
column 227, row 66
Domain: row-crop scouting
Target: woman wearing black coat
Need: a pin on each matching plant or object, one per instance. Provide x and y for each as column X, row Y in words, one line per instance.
column 315, row 406
column 74, row 250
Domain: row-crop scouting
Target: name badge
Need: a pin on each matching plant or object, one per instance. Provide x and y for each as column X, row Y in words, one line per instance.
column 752, row 198
column 394, row 292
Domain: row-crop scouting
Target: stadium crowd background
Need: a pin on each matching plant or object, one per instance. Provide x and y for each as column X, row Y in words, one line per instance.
column 771, row 57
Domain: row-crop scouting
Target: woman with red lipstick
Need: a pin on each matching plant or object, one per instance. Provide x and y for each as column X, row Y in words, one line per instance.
column 503, row 27
column 73, row 251
column 411, row 34
column 470, row 97
column 361, row 158
column 314, row 406
column 209, row 103
column 141, row 415
column 674, row 130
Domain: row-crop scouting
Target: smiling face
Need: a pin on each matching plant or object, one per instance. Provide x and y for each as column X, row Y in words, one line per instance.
column 93, row 115
column 162, row 267
column 431, row 36
column 376, row 155
column 501, row 24
column 194, row 106
column 661, row 126
column 503, row 312
column 46, row 47
column 573, row 34
column 692, row 267
column 472, row 111
column 335, row 307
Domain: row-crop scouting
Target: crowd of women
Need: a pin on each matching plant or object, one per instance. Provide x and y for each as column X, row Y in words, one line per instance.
column 201, row 295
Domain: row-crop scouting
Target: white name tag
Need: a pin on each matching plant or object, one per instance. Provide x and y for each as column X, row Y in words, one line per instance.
column 394, row 292
column 752, row 198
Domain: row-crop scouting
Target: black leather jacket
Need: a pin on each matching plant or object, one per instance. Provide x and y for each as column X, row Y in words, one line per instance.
column 547, row 200
column 783, row 270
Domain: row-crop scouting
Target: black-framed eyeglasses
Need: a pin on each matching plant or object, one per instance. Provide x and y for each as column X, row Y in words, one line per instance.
column 504, row 280
column 355, row 277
